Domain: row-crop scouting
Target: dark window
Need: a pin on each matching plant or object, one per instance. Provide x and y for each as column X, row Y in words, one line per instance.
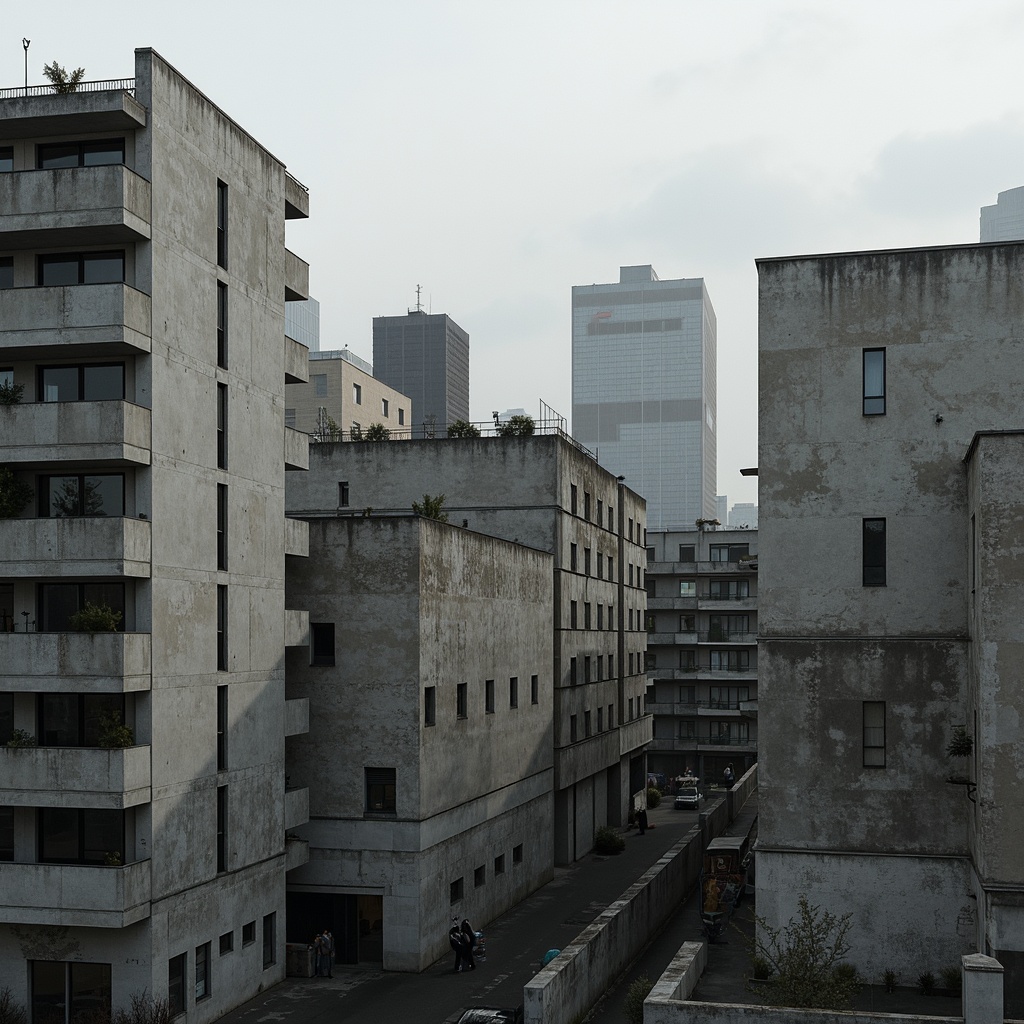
column 222, row 826
column 586, row 668
column 222, row 224
column 455, row 891
column 222, row 325
column 874, row 552
column 227, row 942
column 513, row 692
column 222, row 628
column 58, row 602
column 600, row 513
column 611, row 568
column 499, row 864
column 687, row 553
column 357, row 394
column 600, row 719
column 572, row 728
column 269, row 940
column 586, row 723
column 248, row 933
column 6, row 271
column 401, row 416
column 489, row 696
column 631, row 529
column 572, row 671
column 6, row 833
column 479, row 876
column 586, row 561
column 600, row 666
column 323, row 643
column 730, row 661
column 874, row 381
column 611, row 519
column 380, row 790
column 77, row 835
column 94, row 153
column 586, row 505
column 429, row 705
column 222, row 426
column 77, row 719
column 343, row 494
column 93, row 494
column 80, row 268
column 517, row 854
column 874, row 733
column 586, row 615
column 222, row 526
column 723, row 590
column 6, row 158
column 600, row 565
column 222, row 728
column 611, row 716
column 573, row 616
column 202, row 971
column 574, row 558
column 461, row 710
column 96, row 382
column 534, row 690
column 69, row 993
column 384, row 407
column 572, row 499
column 728, row 552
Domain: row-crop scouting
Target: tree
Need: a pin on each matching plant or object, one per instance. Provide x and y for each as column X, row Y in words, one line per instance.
column 63, row 82
column 14, row 494
column 431, row 508
column 460, row 428
column 805, row 959
column 516, row 426
column 10, row 1011
column 377, row 432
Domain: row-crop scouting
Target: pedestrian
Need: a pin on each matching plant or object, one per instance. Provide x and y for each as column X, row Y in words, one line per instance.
column 641, row 820
column 729, row 776
column 455, row 941
column 316, row 955
column 469, row 940
column 327, row 954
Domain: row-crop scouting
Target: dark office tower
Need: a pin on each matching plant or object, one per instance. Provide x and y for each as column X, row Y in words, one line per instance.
column 424, row 356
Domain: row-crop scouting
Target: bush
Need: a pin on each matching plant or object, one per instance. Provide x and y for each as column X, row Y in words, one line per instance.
column 926, row 983
column 762, row 969
column 653, row 797
column 516, row 426
column 608, row 841
column 10, row 1011
column 377, row 432
column 21, row 738
column 63, row 81
column 143, row 1010
column 95, row 618
column 952, row 979
column 114, row 734
column 10, row 393
column 889, row 979
column 432, row 507
column 638, row 992
column 460, row 428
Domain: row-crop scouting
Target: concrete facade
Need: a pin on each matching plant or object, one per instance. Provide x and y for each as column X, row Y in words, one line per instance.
column 1004, row 221
column 702, row 651
column 441, row 676
column 347, row 392
column 644, row 389
column 146, row 324
column 544, row 492
column 890, row 600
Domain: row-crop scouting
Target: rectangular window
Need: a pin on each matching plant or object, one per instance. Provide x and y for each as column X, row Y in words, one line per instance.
column 429, row 705
column 222, row 426
column 222, row 628
column 874, row 381
column 342, row 494
column 176, row 984
column 269, row 940
column 600, row 616
column 600, row 667
column 479, row 876
column 572, row 671
column 573, row 616
column 81, row 494
column 70, row 268
column 572, row 499
column 631, row 574
column 572, row 728
column 248, row 933
column 380, row 790
column 222, row 325
column 586, row 615
column 461, row 698
column 730, row 661
column 517, row 854
column 630, row 529
column 401, row 416
column 688, row 623
column 600, row 719
column 70, row 835
column 586, row 561
column 728, row 590
column 513, row 692
column 874, row 733
column 222, row 224
column 202, row 971
column 227, row 943
column 728, row 552
column 586, row 505
column 6, row 833
column 384, row 408
column 600, row 513
column 631, row 669
column 222, row 728
column 499, row 864
column 60, row 602
column 222, row 829
column 322, row 645
column 611, row 716
column 611, row 616
column 94, row 153
column 600, row 565
column 489, row 696
column 611, row 568
column 586, row 669
column 611, row 518
column 92, row 382
column 6, row 271
column 687, row 553
column 874, row 552
column 534, row 690
column 222, row 526
column 574, row 561
column 357, row 394
column 630, row 705
column 455, row 891
column 6, row 158
column 319, row 382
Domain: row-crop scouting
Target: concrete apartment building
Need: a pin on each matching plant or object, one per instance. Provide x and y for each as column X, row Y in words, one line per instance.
column 891, row 601
column 546, row 493
column 702, row 651
column 425, row 356
column 429, row 759
column 342, row 390
column 143, row 278
column 1004, row 221
column 644, row 389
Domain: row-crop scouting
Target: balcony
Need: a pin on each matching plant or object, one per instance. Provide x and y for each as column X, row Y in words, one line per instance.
column 296, row 628
column 115, row 433
column 296, row 277
column 296, row 807
column 718, row 636
column 296, row 716
column 671, row 604
column 660, row 639
column 74, row 777
column 296, row 198
column 74, row 206
column 76, row 546
column 84, row 662
column 71, row 321
column 106, row 107
column 296, row 362
column 296, row 449
column 296, row 537
column 296, row 853
column 728, row 602
column 75, row 895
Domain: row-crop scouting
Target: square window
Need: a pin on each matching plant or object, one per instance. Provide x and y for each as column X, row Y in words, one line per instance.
column 380, row 790
column 429, row 705
column 479, row 876
column 248, row 933
column 455, row 891
column 517, row 854
column 873, row 552
column 874, row 381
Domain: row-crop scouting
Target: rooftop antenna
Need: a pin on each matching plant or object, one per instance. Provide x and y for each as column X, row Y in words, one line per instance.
column 419, row 303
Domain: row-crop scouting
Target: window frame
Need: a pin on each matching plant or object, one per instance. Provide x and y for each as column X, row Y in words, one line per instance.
column 874, row 551
column 381, row 792
column 873, row 759
column 45, row 498
column 81, row 371
column 429, row 705
column 269, row 939
column 222, row 224
column 322, row 643
column 83, row 145
column 203, row 969
column 83, row 259
column 873, row 403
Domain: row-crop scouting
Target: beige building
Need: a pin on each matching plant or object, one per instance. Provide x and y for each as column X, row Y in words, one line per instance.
column 144, row 811
column 342, row 399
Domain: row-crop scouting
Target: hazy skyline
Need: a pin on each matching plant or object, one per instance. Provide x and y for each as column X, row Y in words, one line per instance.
column 499, row 153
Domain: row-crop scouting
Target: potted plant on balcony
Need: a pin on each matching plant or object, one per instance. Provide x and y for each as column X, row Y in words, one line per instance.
column 11, row 393
column 95, row 618
column 63, row 81
column 114, row 733
column 14, row 494
column 21, row 738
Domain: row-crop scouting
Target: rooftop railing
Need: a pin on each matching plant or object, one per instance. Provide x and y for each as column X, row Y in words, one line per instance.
column 108, row 85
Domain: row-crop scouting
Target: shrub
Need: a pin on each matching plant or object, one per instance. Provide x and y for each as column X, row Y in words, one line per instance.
column 762, row 969
column 10, row 1011
column 10, row 393
column 142, row 1010
column 607, row 840
column 952, row 979
column 377, row 432
column 635, row 996
column 14, row 494
column 460, row 428
column 21, row 738
column 95, row 618
column 61, row 80
column 114, row 734
column 653, row 797
column 432, row 507
column 926, row 983
column 960, row 744
column 516, row 426
column 889, row 979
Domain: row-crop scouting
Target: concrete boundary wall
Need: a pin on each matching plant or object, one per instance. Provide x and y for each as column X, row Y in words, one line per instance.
column 661, row 1010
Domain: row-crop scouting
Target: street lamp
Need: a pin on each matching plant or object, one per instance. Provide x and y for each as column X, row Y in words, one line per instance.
column 26, row 43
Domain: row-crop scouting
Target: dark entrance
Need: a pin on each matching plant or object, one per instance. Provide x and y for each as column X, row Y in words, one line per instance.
column 355, row 921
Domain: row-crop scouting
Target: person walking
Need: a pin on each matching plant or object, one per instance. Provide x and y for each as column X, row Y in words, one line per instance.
column 326, row 954
column 468, row 943
column 455, row 941
column 641, row 820
column 315, row 946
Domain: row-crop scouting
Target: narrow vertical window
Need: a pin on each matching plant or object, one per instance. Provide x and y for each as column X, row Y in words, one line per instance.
column 322, row 636
column 342, row 494
column 222, row 426
column 202, row 972
column 874, row 381
column 572, row 728
column 222, row 526
column 222, row 325
column 573, row 614
column 461, row 701
column 586, row 505
column 586, row 561
column 874, row 552
column 574, row 562
column 874, row 734
column 586, row 668
column 513, row 692
column 489, row 696
column 222, row 224
column 534, row 690
column 176, row 985
column 572, row 671
column 572, row 499
column 222, row 628
column 222, row 728
column 429, row 705
column 269, row 940
column 357, row 394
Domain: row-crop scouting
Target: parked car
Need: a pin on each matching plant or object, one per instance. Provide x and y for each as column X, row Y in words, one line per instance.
column 488, row 1015
column 688, row 796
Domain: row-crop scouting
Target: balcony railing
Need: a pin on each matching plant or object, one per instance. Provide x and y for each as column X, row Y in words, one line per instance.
column 107, row 85
column 75, row 776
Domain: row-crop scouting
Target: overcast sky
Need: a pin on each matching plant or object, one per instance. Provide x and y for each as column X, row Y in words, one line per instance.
column 500, row 152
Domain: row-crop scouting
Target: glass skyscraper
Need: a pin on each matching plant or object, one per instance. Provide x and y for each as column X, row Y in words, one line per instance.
column 644, row 389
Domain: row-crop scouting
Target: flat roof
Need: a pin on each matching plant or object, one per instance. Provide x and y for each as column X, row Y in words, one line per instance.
column 883, row 252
